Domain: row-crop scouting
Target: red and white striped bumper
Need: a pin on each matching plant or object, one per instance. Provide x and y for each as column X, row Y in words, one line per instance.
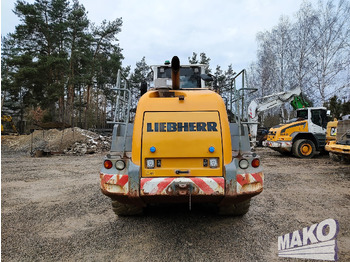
column 119, row 185
column 248, row 183
column 182, row 186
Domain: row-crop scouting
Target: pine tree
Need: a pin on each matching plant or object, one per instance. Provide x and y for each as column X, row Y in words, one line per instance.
column 54, row 56
column 193, row 60
column 205, row 61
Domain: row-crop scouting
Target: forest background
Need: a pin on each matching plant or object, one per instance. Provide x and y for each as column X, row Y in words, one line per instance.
column 58, row 67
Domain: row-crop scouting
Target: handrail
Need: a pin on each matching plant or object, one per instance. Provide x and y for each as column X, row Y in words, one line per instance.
column 237, row 97
column 123, row 99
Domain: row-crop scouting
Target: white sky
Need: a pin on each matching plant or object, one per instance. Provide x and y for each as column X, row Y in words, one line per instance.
column 225, row 30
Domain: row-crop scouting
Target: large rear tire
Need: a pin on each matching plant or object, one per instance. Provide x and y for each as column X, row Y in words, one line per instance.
column 121, row 209
column 238, row 209
column 304, row 148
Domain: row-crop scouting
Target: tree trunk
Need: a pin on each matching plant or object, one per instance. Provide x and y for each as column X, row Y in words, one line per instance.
column 87, row 105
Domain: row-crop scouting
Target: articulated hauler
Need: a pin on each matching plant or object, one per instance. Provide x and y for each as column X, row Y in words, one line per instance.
column 180, row 148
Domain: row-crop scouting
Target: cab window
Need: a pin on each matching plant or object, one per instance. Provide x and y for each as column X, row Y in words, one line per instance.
column 302, row 114
column 319, row 117
column 189, row 76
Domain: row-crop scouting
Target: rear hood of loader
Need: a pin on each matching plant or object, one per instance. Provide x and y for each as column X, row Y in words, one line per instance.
column 181, row 143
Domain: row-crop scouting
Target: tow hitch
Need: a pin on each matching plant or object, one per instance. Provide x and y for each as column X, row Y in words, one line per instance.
column 183, row 189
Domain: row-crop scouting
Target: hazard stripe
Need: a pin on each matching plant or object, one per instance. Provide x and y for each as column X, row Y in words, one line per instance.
column 118, row 184
column 257, row 177
column 150, row 185
column 155, row 185
column 162, row 185
column 122, row 180
column 203, row 186
column 144, row 181
column 220, row 181
column 106, row 178
column 241, row 180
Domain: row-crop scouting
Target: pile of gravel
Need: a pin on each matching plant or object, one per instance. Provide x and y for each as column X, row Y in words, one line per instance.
column 72, row 141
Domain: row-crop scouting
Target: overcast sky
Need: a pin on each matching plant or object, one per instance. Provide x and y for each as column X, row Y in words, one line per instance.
column 225, row 30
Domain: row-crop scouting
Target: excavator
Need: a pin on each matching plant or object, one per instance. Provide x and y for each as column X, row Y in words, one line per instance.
column 262, row 104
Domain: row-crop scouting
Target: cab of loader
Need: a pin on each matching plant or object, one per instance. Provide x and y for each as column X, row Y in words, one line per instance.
column 315, row 115
column 190, row 76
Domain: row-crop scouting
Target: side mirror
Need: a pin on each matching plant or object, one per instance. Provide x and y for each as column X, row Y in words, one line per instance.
column 206, row 77
column 328, row 112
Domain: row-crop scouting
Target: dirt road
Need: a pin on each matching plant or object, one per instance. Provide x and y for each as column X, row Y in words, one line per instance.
column 52, row 210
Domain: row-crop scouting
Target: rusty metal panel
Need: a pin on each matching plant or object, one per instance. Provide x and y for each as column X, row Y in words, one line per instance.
column 118, row 184
column 250, row 182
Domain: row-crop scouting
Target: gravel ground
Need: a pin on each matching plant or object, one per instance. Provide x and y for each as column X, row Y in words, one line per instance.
column 52, row 210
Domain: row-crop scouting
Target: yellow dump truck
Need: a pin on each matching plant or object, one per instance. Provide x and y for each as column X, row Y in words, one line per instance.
column 180, row 148
column 339, row 149
column 302, row 137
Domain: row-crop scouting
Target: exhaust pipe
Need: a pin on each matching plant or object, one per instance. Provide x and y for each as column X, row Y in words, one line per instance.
column 175, row 72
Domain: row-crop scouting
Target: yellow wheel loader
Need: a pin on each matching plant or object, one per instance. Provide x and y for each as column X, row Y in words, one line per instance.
column 303, row 136
column 180, row 148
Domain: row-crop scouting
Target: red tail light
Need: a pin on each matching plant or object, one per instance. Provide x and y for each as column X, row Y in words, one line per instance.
column 255, row 162
column 108, row 164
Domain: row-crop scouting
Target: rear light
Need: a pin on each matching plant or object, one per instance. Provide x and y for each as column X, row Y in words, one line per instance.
column 243, row 163
column 150, row 163
column 213, row 162
column 108, row 164
column 120, row 164
column 256, row 162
